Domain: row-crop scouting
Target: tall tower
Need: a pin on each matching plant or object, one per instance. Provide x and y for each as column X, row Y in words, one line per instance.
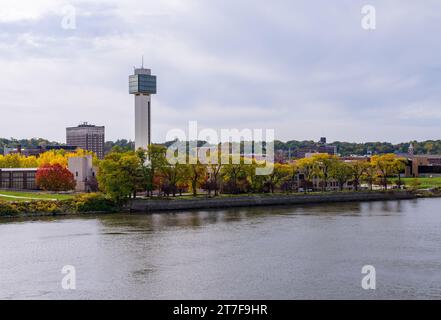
column 142, row 84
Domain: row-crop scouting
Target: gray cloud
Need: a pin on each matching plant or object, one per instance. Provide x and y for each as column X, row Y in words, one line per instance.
column 304, row 68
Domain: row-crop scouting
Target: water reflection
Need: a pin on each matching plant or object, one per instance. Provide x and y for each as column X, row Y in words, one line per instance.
column 313, row 251
column 197, row 219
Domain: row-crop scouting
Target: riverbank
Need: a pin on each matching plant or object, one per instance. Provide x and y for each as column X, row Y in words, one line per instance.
column 98, row 204
column 45, row 206
column 144, row 205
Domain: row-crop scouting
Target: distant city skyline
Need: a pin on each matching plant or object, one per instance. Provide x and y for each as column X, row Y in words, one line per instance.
column 306, row 69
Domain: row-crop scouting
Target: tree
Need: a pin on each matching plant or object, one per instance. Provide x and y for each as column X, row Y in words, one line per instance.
column 62, row 156
column 358, row 168
column 214, row 173
column 256, row 181
column 387, row 165
column 196, row 173
column 55, row 178
column 278, row 174
column 342, row 172
column 292, row 178
column 157, row 161
column 323, row 164
column 119, row 176
column 306, row 167
column 235, row 177
column 173, row 175
column 369, row 175
column 18, row 161
column 400, row 166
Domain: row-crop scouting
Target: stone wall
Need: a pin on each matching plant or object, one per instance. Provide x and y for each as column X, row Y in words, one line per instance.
column 157, row 205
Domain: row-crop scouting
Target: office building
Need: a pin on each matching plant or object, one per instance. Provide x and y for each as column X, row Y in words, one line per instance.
column 87, row 137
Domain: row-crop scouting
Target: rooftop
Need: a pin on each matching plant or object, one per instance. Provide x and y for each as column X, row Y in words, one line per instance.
column 17, row 169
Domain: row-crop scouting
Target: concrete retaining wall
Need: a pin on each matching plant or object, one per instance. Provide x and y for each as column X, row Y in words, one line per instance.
column 264, row 200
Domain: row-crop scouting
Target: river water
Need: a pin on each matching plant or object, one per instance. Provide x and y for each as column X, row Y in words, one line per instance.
column 297, row 252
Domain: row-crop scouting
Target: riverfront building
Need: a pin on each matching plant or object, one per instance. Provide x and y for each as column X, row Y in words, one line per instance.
column 18, row 178
column 25, row 178
column 87, row 137
column 423, row 166
column 84, row 173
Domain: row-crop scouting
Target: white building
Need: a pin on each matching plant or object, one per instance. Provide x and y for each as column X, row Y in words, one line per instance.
column 84, row 172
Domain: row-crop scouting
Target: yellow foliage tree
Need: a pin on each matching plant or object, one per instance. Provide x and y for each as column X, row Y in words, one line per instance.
column 50, row 157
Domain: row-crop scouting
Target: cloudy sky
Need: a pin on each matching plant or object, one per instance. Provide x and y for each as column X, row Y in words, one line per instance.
column 304, row 68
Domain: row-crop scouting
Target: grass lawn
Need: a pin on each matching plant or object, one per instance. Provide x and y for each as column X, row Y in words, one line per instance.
column 426, row 183
column 26, row 196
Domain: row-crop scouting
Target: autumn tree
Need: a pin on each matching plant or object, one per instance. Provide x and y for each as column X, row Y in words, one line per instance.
column 369, row 175
column 358, row 168
column 55, row 177
column 16, row 160
column 387, row 165
column 278, row 174
column 342, row 173
column 214, row 174
column 196, row 174
column 156, row 156
column 323, row 164
column 235, row 176
column 307, row 168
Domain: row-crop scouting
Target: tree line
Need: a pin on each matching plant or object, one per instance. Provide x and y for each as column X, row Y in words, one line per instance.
column 343, row 148
column 123, row 175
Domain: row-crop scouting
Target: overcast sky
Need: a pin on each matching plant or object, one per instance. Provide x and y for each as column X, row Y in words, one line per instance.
column 304, row 68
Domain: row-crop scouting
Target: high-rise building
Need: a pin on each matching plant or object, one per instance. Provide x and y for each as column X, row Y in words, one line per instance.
column 88, row 137
column 142, row 84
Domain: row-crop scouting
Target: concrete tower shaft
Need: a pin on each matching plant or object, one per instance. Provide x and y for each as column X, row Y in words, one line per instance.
column 142, row 84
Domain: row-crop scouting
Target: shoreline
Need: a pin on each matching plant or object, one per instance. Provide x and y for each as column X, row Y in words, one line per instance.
column 146, row 206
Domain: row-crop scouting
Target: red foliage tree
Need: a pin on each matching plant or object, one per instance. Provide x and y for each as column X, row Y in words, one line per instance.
column 55, row 178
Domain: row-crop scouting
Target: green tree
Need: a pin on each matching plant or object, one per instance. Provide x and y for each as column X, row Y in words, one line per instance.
column 119, row 176
column 196, row 173
column 387, row 165
column 173, row 175
column 307, row 168
column 342, row 172
column 156, row 161
column 369, row 175
column 358, row 168
column 323, row 164
column 234, row 176
column 279, row 173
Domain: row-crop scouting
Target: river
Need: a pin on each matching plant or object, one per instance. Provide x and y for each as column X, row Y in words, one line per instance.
column 297, row 252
